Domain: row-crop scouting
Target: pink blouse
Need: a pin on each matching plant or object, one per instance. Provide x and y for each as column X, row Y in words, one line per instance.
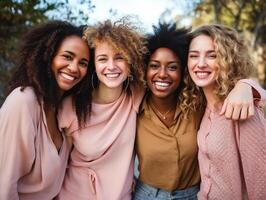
column 232, row 156
column 101, row 164
column 30, row 166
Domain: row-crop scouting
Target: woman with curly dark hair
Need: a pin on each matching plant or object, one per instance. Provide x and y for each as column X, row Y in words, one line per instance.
column 52, row 63
column 101, row 163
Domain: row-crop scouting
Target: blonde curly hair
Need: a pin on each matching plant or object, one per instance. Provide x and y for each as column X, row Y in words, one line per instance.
column 232, row 57
column 124, row 37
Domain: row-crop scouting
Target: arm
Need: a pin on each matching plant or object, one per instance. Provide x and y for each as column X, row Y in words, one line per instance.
column 239, row 103
column 259, row 94
column 16, row 142
column 251, row 137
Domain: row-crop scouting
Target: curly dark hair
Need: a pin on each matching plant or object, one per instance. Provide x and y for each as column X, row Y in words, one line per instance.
column 167, row 35
column 35, row 56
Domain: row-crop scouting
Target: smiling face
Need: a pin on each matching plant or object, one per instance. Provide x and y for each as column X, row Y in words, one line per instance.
column 70, row 62
column 202, row 61
column 111, row 67
column 163, row 73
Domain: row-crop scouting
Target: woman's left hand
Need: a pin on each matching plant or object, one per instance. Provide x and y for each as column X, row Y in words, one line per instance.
column 239, row 104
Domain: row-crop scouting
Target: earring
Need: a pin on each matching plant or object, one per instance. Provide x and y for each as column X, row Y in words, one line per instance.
column 129, row 79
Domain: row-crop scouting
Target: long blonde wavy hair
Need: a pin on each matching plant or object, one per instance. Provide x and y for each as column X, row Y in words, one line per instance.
column 233, row 59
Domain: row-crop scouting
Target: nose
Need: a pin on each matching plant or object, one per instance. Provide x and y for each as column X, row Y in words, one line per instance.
column 162, row 72
column 111, row 65
column 73, row 66
column 202, row 62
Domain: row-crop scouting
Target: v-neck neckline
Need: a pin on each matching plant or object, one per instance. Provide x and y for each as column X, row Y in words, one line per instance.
column 60, row 150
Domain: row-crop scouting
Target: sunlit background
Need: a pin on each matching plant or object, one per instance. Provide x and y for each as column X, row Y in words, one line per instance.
column 248, row 17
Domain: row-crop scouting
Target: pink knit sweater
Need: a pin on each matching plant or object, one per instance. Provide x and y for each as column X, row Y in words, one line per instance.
column 232, row 157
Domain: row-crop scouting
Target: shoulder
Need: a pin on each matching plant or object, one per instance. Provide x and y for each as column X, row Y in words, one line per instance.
column 20, row 96
column 137, row 93
column 21, row 100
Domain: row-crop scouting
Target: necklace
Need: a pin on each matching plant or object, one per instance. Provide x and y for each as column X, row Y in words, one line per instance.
column 163, row 116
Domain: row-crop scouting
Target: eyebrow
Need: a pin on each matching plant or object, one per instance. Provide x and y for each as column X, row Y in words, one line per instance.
column 73, row 54
column 101, row 55
column 196, row 51
column 170, row 62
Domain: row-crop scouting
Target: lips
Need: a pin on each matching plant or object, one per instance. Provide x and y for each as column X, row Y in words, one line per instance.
column 68, row 76
column 112, row 75
column 161, row 85
column 202, row 74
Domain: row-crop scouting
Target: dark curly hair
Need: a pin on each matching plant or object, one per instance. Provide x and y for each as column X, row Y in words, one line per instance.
column 166, row 35
column 35, row 56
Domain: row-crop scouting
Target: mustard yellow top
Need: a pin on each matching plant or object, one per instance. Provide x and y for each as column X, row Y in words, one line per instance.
column 167, row 156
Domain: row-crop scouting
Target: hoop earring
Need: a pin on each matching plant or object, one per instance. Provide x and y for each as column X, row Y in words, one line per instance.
column 129, row 79
column 92, row 80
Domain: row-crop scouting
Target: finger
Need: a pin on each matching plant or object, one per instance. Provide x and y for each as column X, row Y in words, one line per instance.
column 244, row 113
column 251, row 110
column 224, row 107
column 229, row 111
column 236, row 112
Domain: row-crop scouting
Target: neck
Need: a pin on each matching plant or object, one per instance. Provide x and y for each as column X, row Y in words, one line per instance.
column 106, row 95
column 164, row 104
column 213, row 101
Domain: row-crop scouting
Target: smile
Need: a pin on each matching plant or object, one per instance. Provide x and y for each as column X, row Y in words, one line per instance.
column 202, row 75
column 67, row 76
column 112, row 75
column 161, row 86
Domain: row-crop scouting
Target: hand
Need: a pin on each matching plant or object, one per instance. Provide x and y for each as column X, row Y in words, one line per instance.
column 239, row 105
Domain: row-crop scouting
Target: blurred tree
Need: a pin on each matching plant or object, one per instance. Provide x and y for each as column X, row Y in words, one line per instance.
column 15, row 18
column 246, row 16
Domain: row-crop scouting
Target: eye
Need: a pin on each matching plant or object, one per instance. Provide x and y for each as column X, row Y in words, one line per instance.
column 172, row 67
column 119, row 58
column 153, row 65
column 212, row 56
column 193, row 55
column 83, row 64
column 67, row 57
column 102, row 59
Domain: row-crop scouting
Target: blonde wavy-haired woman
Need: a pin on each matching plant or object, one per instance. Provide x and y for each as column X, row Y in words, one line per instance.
column 232, row 154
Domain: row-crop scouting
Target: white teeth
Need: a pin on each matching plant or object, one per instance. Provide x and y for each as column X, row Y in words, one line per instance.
column 202, row 74
column 68, row 77
column 112, row 75
column 162, row 84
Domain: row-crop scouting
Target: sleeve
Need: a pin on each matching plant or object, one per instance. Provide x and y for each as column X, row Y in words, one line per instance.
column 252, row 150
column 17, row 136
column 67, row 118
column 258, row 90
column 137, row 95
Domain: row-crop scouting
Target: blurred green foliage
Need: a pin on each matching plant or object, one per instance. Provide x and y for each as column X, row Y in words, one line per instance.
column 17, row 16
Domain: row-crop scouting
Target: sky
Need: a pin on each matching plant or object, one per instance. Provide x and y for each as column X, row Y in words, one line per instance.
column 147, row 11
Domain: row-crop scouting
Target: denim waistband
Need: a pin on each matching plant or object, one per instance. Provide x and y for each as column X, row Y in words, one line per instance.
column 156, row 192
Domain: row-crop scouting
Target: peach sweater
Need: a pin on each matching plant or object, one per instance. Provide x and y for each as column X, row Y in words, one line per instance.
column 232, row 156
column 30, row 166
column 101, row 163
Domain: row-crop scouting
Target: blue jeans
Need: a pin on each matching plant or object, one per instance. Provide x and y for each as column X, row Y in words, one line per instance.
column 146, row 192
